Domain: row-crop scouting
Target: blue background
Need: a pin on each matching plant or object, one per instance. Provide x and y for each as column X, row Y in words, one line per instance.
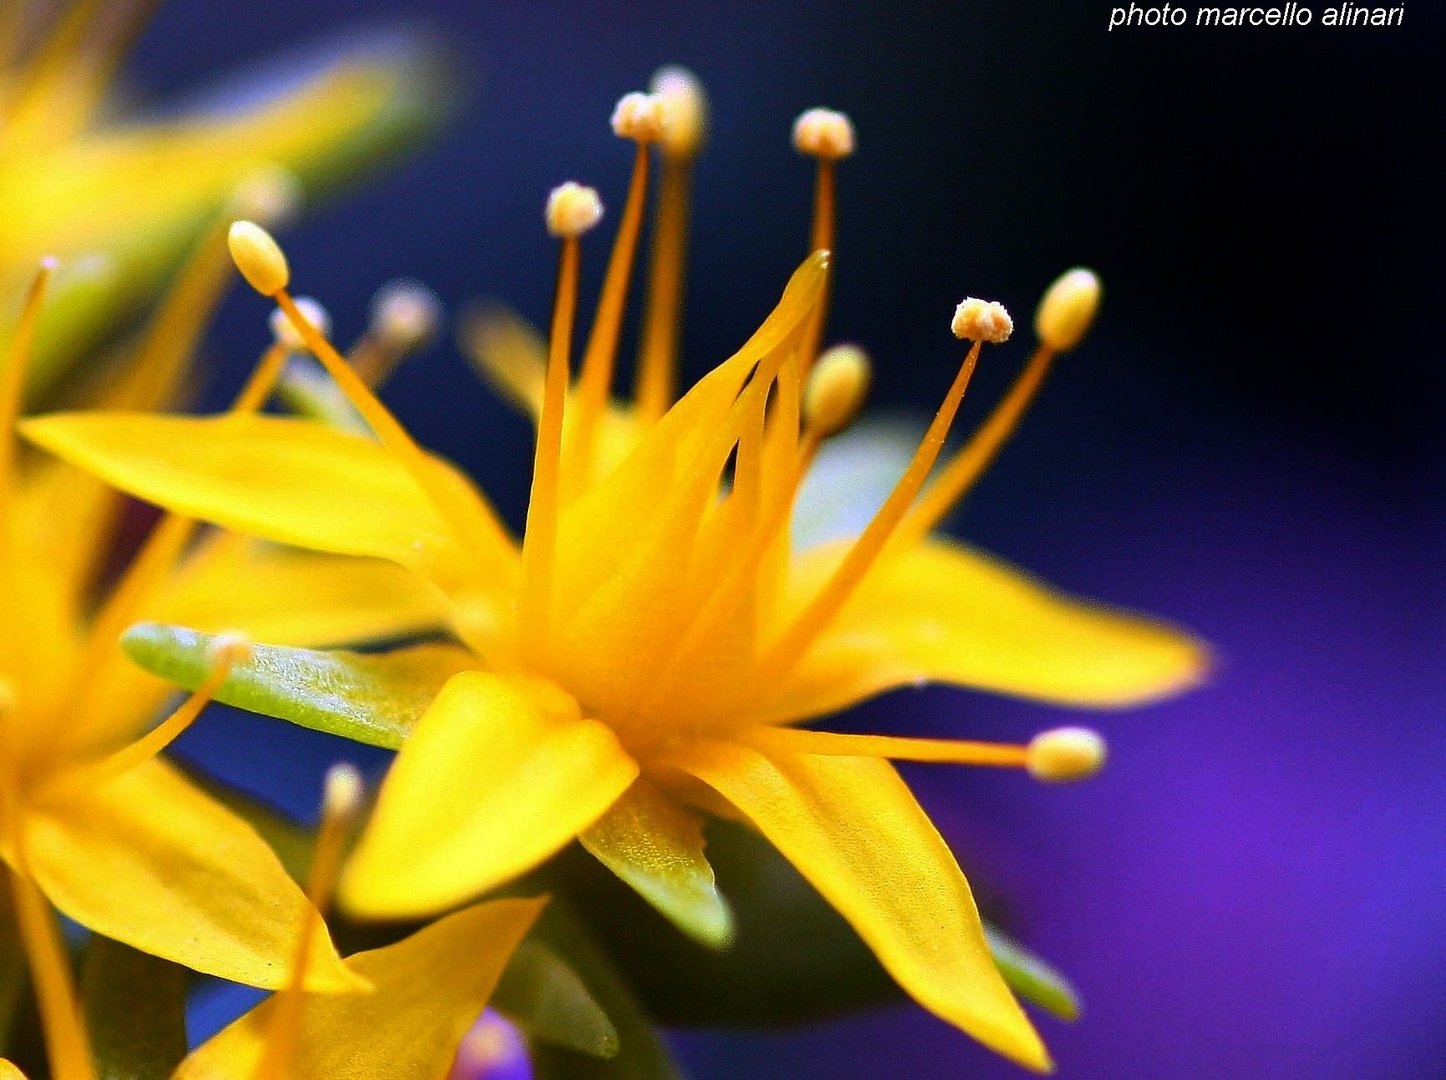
column 1250, row 444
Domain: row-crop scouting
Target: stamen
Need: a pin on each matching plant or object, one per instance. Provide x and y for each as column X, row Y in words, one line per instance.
column 871, row 542
column 930, row 751
column 341, row 801
column 571, row 210
column 12, row 390
column 827, row 136
column 287, row 335
column 1062, row 319
column 66, row 1043
column 264, row 265
column 404, row 317
column 225, row 652
column 1065, row 754
column 638, row 117
column 685, row 109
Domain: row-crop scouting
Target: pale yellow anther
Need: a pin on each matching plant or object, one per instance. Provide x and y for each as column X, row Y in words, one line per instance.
column 285, row 331
column 1067, row 309
column 229, row 649
column 259, row 257
column 823, row 133
column 639, row 117
column 343, row 791
column 272, row 194
column 685, row 111
column 836, row 389
column 406, row 314
column 1065, row 754
column 982, row 320
column 572, row 210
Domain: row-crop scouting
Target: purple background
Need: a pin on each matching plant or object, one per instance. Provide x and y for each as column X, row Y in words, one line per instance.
column 1250, row 444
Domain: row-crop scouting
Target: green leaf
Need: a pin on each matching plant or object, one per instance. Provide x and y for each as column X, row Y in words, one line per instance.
column 372, row 698
column 655, row 844
column 641, row 1054
column 135, row 1011
column 547, row 999
column 1030, row 977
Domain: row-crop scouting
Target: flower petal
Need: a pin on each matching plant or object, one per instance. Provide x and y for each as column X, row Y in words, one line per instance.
column 291, row 597
column 499, row 774
column 853, row 829
column 372, row 698
column 941, row 612
column 292, row 481
column 656, row 845
column 149, row 860
column 429, row 989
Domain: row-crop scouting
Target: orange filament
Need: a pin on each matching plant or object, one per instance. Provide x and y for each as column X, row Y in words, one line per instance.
column 12, row 389
column 821, row 239
column 964, row 469
column 940, row 751
column 340, row 804
column 66, row 1043
column 168, row 730
column 871, row 542
column 540, row 540
column 595, row 379
column 383, row 424
column 172, row 333
column 657, row 376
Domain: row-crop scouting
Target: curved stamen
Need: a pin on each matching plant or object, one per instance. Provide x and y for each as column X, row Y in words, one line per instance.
column 828, row 137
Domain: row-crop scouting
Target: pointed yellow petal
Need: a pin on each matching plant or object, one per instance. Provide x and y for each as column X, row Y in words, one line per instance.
column 293, row 481
column 499, row 774
column 854, row 831
column 149, row 860
column 509, row 353
column 655, row 844
column 290, row 597
column 938, row 611
column 430, row 988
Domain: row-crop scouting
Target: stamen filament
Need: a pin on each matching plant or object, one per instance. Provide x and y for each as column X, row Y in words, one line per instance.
column 870, row 543
column 225, row 654
column 540, row 540
column 66, row 1043
column 938, row 751
column 964, row 469
column 656, row 383
column 12, row 389
column 340, row 804
column 595, row 379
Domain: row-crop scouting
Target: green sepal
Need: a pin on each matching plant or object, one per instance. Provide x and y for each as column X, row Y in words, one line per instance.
column 655, row 844
column 641, row 1053
column 135, row 1011
column 542, row 995
column 372, row 698
column 1030, row 977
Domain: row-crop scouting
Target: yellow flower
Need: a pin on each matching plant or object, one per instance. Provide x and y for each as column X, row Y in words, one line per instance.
column 75, row 179
column 413, row 1004
column 90, row 818
column 649, row 648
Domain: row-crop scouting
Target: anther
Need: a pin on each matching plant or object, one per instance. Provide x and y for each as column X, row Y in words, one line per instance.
column 286, row 333
column 823, row 133
column 1067, row 309
column 405, row 314
column 572, row 210
column 639, row 117
column 1064, row 754
column 685, row 111
column 259, row 258
column 226, row 651
column 836, row 390
column 982, row 320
